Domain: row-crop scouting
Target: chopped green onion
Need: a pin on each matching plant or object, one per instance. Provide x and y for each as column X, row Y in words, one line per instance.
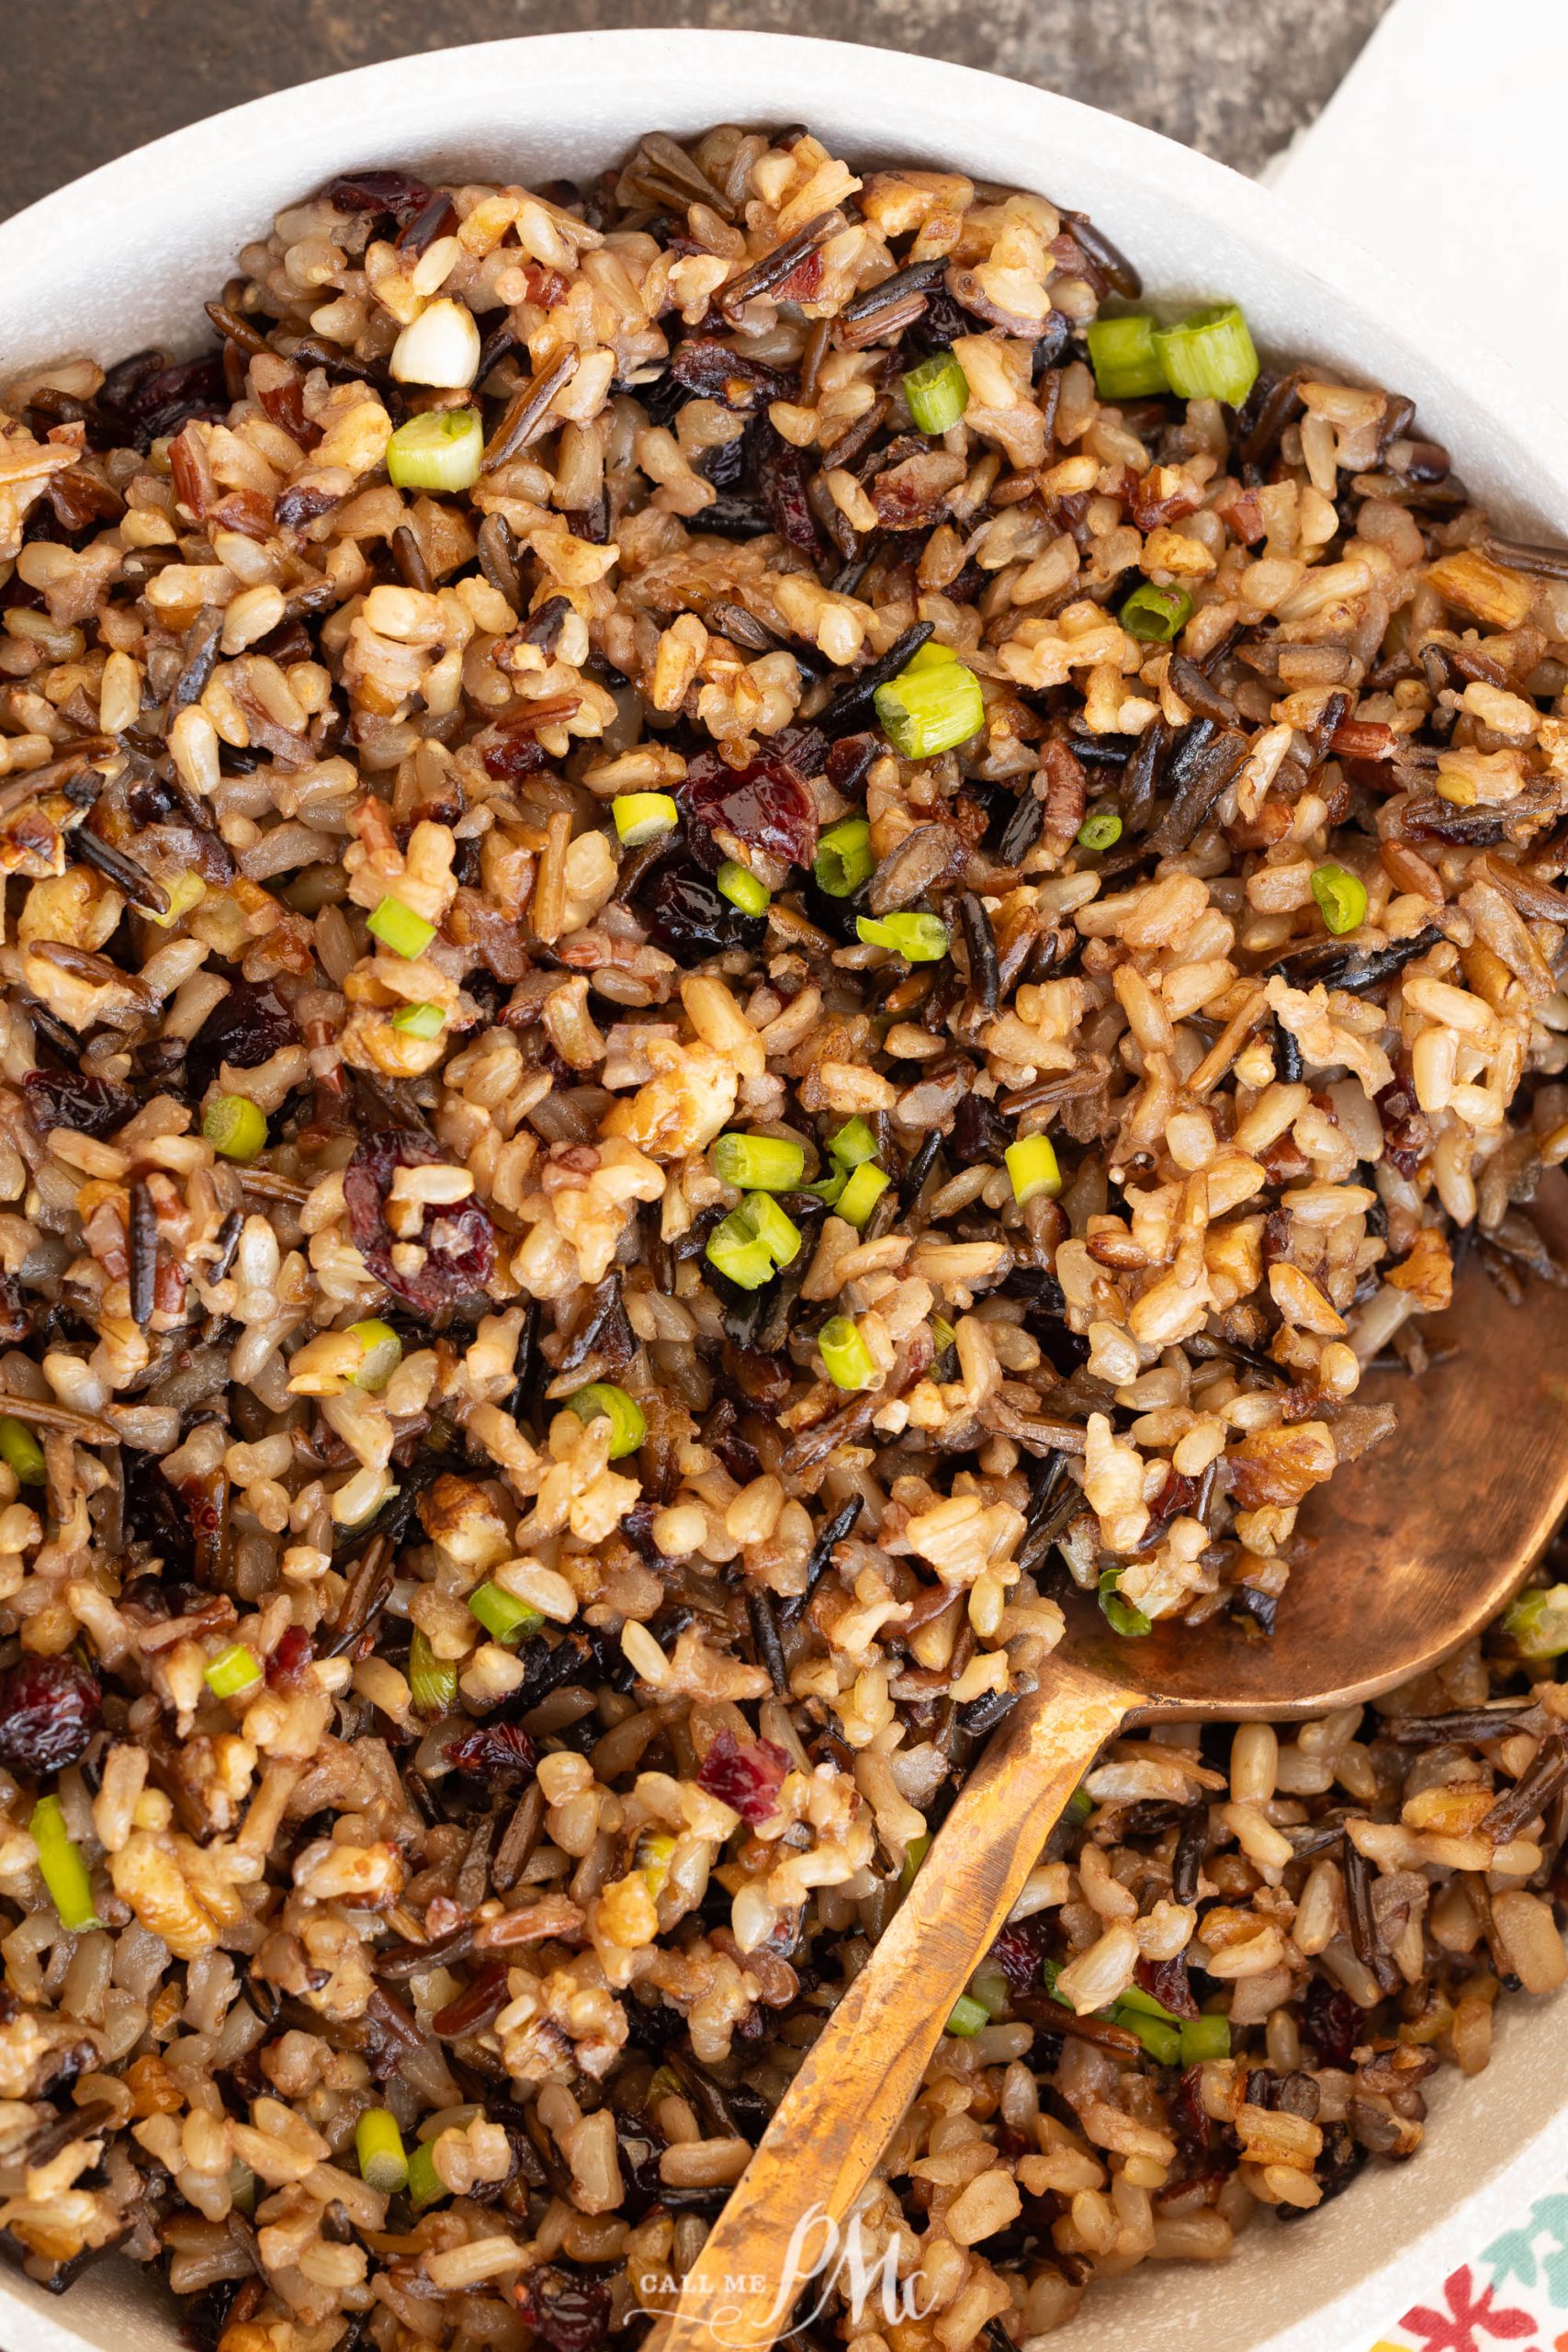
column 915, row 1853
column 990, row 1989
column 383, row 1354
column 232, row 1670
column 740, row 886
column 1341, row 898
column 1031, row 1164
column 967, row 2017
column 759, row 1163
column 937, row 393
column 865, row 1188
column 1209, row 356
column 399, row 928
column 931, row 706
column 1125, row 361
column 843, row 857
column 734, row 1249
column 1079, row 1808
column 503, row 1614
column 827, row 1188
column 1100, row 831
column 64, row 1872
column 1537, row 1623
column 383, row 2162
column 234, row 1128
column 778, row 1234
column 419, row 1021
column 1135, row 1998
column 1204, row 2039
column 853, row 1143
column 1121, row 1615
column 1162, row 2042
column 920, row 939
column 432, row 1681
column 439, row 449
column 849, row 1360
column 642, row 816
column 602, row 1400
column 21, row 1451
column 425, row 2184
column 1154, row 614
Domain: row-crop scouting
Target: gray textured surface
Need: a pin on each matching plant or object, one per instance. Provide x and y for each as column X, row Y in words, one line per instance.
column 84, row 80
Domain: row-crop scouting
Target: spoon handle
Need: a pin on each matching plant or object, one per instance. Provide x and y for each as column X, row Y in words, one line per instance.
column 844, row 2105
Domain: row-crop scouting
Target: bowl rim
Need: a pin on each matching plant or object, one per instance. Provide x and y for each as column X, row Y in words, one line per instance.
column 1383, row 312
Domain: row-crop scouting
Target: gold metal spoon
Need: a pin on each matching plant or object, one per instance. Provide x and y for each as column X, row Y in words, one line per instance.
column 1418, row 1545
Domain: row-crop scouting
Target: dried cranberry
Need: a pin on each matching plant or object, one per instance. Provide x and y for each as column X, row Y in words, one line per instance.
column 49, row 1707
column 747, row 1775
column 246, row 1028
column 291, row 1661
column 780, row 481
column 1331, row 2022
column 1406, row 1134
column 457, row 1237
column 400, row 193
column 495, row 1752
column 1165, row 1980
column 763, row 806
column 168, row 399
column 568, row 2312
column 64, row 1098
column 1016, row 1955
column 690, row 920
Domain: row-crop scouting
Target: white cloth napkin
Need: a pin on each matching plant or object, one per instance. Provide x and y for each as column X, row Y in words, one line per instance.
column 1443, row 152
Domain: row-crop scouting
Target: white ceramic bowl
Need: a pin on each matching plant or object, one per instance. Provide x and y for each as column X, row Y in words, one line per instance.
column 126, row 256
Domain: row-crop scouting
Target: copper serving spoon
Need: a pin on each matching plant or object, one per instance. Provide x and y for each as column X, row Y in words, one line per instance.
column 1418, row 1545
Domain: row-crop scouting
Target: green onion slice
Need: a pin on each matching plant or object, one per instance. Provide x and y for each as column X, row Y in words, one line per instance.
column 778, row 1234
column 425, row 2184
column 643, row 817
column 1031, row 1164
column 232, row 1670
column 1154, row 614
column 1538, row 1623
column 1162, row 2042
column 967, row 2017
column 1121, row 1615
column 234, row 1128
column 1204, row 2039
column 843, row 858
column 439, row 449
column 1341, row 898
column 937, row 393
column 931, row 706
column 602, row 1400
column 1100, row 831
column 1208, row 356
column 915, row 1853
column 64, row 1871
column 740, row 886
column 734, row 1250
column 920, row 939
column 383, row 2162
column 853, row 1143
column 759, row 1163
column 863, row 1189
column 502, row 1616
column 1124, row 358
column 844, row 1354
column 399, row 928
column 383, row 1354
column 22, row 1451
column 419, row 1019
column 432, row 1681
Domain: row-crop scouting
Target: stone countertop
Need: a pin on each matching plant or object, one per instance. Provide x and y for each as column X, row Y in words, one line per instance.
column 83, row 84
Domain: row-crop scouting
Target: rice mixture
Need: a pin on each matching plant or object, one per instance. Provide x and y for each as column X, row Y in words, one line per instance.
column 733, row 936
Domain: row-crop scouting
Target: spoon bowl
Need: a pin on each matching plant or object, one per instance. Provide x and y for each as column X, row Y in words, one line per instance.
column 1413, row 1550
